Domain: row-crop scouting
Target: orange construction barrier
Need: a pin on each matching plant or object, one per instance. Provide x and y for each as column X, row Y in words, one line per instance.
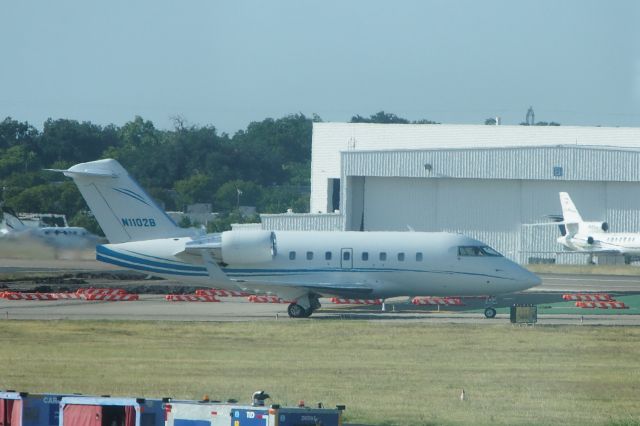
column 430, row 300
column 113, row 297
column 221, row 293
column 16, row 295
column 265, row 299
column 65, row 296
column 602, row 305
column 586, row 297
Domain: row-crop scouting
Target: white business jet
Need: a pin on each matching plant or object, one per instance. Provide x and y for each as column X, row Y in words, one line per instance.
column 592, row 237
column 13, row 230
column 298, row 266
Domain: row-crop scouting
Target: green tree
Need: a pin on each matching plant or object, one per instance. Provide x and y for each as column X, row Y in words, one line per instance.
column 197, row 188
column 86, row 220
column 13, row 133
column 73, row 142
column 380, row 117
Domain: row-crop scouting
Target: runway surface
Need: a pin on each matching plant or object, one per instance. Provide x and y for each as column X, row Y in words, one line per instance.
column 155, row 308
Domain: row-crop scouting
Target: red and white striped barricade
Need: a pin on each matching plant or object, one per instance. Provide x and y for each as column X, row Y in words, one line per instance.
column 91, row 290
column 221, row 293
column 431, row 300
column 602, row 305
column 583, row 297
column 68, row 296
column 16, row 295
column 265, row 299
column 114, row 297
column 190, row 298
column 341, row 301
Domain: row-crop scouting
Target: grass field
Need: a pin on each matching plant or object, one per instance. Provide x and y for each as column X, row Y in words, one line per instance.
column 386, row 373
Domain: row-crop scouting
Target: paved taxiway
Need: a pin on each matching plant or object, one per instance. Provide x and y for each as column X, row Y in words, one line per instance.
column 154, row 307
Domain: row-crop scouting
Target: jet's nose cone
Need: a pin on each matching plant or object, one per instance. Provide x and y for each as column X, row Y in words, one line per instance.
column 529, row 279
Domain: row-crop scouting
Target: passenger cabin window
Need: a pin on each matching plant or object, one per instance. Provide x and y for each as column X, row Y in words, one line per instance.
column 327, row 255
column 346, row 255
column 400, row 257
column 383, row 256
column 477, row 251
column 292, row 255
column 418, row 257
column 365, row 256
column 309, row 255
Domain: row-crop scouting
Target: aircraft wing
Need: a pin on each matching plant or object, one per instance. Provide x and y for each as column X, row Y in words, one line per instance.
column 288, row 291
column 595, row 251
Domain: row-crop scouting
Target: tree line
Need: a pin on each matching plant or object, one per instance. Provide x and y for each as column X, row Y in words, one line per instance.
column 266, row 165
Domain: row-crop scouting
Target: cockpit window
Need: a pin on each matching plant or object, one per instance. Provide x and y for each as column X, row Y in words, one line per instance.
column 477, row 251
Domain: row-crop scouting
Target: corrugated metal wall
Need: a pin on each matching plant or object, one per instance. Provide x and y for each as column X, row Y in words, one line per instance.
column 531, row 163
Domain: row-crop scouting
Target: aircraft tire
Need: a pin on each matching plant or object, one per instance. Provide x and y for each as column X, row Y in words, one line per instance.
column 296, row 311
column 490, row 313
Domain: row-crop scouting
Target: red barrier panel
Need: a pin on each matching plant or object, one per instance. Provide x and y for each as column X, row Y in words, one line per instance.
column 602, row 305
column 190, row 298
column 221, row 293
column 15, row 295
column 113, row 297
column 429, row 300
column 65, row 296
column 584, row 297
column 265, row 299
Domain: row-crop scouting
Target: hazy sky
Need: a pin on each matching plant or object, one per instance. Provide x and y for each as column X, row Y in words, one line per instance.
column 228, row 63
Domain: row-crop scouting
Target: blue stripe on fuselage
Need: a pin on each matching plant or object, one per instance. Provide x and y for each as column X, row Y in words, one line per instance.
column 121, row 256
column 148, row 268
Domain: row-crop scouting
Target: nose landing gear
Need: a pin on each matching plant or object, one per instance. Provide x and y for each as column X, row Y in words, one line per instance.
column 489, row 310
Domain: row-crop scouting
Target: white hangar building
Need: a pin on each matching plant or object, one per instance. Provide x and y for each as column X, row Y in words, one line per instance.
column 489, row 182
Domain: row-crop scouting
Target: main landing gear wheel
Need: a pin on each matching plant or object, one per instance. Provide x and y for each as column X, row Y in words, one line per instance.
column 490, row 313
column 296, row 311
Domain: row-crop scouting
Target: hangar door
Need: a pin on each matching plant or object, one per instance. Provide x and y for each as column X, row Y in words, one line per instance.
column 488, row 210
column 441, row 204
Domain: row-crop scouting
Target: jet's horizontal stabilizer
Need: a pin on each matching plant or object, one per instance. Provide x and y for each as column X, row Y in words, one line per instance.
column 93, row 173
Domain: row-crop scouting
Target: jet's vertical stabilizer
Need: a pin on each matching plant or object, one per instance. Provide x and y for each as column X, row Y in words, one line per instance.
column 572, row 218
column 123, row 209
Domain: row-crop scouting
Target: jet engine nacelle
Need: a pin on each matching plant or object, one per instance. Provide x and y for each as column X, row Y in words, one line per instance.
column 247, row 247
column 589, row 227
column 590, row 240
